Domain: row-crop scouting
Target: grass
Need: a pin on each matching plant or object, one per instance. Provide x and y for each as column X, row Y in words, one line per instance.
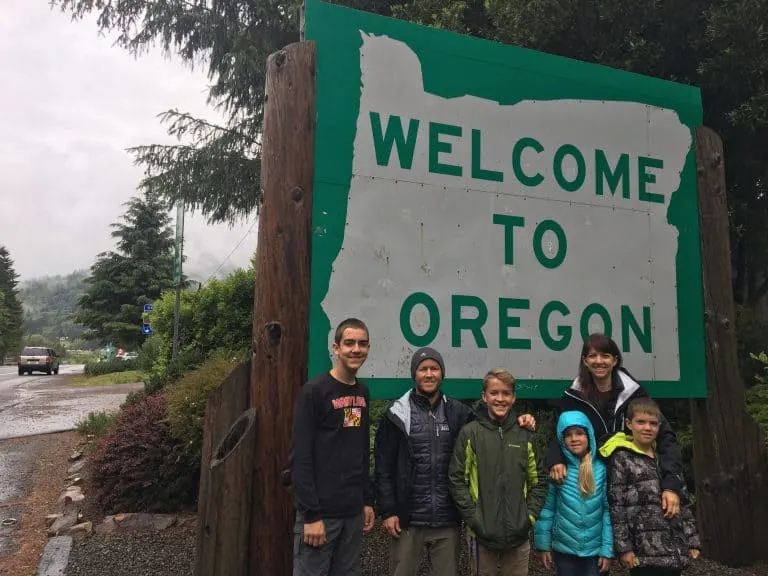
column 128, row 377
column 97, row 423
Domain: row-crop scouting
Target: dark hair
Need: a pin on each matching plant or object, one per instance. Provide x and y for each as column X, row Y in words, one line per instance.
column 604, row 345
column 348, row 323
column 643, row 405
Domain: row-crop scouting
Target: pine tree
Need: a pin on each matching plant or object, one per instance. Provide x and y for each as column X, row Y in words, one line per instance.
column 122, row 281
column 11, row 311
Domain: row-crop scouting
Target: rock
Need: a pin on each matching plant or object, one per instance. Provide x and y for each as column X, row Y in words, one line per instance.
column 162, row 521
column 83, row 529
column 51, row 518
column 73, row 494
column 67, row 506
column 76, row 467
column 139, row 522
column 108, row 526
column 63, row 523
column 75, row 456
column 75, row 481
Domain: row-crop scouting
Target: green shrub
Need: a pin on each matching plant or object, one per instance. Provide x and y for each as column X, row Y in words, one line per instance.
column 166, row 374
column 97, row 423
column 757, row 406
column 751, row 334
column 134, row 398
column 99, row 368
column 149, row 353
column 140, row 467
column 187, row 399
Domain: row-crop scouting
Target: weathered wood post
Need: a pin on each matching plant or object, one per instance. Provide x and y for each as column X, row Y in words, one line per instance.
column 225, row 405
column 281, row 303
column 224, row 512
column 730, row 460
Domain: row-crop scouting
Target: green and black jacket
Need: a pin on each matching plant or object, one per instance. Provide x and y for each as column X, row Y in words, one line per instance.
column 497, row 480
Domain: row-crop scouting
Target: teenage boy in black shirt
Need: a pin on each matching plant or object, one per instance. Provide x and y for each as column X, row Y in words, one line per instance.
column 330, row 455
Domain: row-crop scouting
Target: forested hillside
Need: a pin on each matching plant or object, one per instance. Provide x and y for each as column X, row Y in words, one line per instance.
column 49, row 303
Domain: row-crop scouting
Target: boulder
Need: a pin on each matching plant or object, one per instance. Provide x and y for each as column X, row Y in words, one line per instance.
column 83, row 529
column 63, row 523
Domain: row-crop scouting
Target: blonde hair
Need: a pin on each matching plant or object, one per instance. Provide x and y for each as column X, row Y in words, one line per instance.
column 586, row 476
column 643, row 405
column 502, row 375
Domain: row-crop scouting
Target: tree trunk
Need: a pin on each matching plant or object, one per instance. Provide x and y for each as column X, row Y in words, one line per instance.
column 730, row 460
column 281, row 303
column 224, row 513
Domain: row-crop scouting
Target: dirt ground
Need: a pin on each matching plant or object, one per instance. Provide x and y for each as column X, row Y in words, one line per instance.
column 41, row 484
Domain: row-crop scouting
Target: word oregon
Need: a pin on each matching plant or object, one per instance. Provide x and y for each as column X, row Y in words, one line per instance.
column 568, row 163
column 555, row 322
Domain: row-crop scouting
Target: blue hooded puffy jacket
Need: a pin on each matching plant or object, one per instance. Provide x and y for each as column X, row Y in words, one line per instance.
column 570, row 523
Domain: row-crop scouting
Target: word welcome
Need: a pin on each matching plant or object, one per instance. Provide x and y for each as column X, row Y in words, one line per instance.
column 568, row 163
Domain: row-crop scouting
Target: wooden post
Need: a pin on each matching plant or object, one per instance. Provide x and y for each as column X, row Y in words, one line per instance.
column 224, row 516
column 730, row 460
column 281, row 303
column 225, row 405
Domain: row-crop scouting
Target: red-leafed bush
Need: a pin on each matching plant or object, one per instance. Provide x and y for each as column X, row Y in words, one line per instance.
column 140, row 467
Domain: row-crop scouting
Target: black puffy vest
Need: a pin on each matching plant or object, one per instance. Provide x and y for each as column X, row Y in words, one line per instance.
column 432, row 448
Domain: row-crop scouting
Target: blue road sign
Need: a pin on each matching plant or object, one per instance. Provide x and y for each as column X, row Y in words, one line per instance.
column 148, row 308
column 146, row 329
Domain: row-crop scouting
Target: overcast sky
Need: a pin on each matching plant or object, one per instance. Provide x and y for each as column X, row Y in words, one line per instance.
column 71, row 103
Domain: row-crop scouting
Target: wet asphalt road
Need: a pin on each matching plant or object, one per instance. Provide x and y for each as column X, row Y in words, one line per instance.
column 41, row 404
column 34, row 405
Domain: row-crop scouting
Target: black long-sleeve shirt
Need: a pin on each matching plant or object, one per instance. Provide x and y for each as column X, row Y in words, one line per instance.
column 330, row 450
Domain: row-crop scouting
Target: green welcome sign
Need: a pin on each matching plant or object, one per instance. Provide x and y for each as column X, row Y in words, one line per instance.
column 500, row 205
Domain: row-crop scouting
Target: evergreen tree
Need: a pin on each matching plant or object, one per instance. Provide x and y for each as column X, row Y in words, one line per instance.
column 122, row 281
column 720, row 45
column 11, row 312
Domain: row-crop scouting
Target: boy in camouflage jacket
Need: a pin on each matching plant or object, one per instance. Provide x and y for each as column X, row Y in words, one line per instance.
column 645, row 540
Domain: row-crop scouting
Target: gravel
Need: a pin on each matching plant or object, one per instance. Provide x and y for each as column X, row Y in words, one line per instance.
column 172, row 553
column 166, row 553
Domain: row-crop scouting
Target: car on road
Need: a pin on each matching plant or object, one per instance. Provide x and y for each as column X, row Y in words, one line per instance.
column 38, row 359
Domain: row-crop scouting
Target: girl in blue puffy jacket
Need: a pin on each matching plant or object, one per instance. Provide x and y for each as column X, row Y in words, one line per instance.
column 574, row 528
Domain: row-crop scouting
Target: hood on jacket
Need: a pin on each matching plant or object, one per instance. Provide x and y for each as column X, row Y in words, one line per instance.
column 575, row 418
column 401, row 409
column 626, row 385
column 619, row 441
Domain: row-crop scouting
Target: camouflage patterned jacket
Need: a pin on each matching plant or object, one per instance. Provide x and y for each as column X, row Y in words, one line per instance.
column 638, row 521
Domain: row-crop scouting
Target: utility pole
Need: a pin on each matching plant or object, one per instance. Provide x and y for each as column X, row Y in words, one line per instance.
column 179, row 251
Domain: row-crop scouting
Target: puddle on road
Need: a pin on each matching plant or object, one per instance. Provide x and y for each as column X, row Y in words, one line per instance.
column 42, row 412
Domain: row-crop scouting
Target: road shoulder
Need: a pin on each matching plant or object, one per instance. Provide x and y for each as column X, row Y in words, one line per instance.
column 36, row 474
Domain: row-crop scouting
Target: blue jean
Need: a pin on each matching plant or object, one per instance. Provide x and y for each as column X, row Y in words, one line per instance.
column 570, row 565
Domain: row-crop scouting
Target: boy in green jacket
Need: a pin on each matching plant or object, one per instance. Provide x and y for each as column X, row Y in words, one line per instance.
column 497, row 482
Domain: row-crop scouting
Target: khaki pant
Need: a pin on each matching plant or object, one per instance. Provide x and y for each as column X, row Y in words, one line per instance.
column 485, row 562
column 442, row 546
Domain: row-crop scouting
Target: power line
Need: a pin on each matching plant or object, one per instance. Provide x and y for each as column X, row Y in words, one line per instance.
column 255, row 219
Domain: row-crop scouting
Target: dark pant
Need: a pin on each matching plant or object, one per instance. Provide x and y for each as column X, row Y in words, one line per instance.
column 339, row 556
column 570, row 565
column 654, row 571
column 442, row 545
